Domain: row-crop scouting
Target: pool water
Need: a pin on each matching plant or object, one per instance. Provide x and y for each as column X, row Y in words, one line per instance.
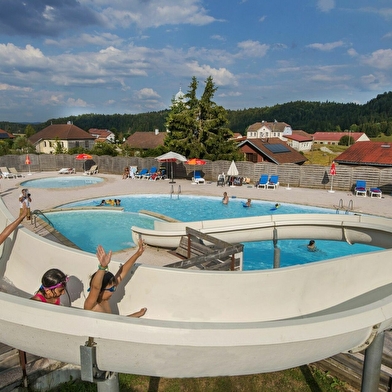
column 65, row 181
column 111, row 229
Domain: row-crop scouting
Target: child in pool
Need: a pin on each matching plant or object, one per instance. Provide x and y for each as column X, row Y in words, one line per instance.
column 103, row 283
column 53, row 286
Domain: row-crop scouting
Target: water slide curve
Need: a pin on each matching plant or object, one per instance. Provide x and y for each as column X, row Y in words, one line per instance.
column 203, row 323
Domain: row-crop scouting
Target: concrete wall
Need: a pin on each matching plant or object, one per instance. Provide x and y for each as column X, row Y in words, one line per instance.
column 306, row 176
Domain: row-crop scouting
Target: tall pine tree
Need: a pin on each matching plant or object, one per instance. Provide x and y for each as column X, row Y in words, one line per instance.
column 198, row 127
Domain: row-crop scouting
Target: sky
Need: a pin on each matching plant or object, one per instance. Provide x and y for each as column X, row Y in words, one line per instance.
column 68, row 57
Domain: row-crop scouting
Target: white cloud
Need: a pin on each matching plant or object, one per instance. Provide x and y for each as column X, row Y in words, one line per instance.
column 352, row 52
column 147, row 93
column 221, row 76
column 326, row 47
column 325, row 5
column 251, row 48
column 381, row 59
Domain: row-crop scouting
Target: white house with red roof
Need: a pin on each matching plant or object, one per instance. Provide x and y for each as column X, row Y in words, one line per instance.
column 334, row 137
column 299, row 140
column 266, row 129
column 102, row 135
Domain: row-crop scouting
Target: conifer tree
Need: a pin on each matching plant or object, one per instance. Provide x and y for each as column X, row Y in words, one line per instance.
column 198, row 127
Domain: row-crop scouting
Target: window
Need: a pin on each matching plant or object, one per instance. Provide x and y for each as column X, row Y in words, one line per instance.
column 251, row 157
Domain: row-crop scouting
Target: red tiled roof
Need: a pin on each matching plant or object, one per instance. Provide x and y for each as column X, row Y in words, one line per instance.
column 299, row 138
column 335, row 136
column 146, row 140
column 367, row 153
column 5, row 134
column 291, row 156
column 102, row 133
column 61, row 131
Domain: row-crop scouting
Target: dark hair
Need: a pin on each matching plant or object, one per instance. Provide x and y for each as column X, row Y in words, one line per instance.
column 311, row 242
column 108, row 278
column 51, row 278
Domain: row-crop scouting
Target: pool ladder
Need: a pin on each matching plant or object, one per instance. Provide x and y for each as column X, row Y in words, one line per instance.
column 350, row 206
column 36, row 213
column 172, row 191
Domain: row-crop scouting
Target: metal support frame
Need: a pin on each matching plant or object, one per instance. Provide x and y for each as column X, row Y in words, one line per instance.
column 372, row 364
column 106, row 381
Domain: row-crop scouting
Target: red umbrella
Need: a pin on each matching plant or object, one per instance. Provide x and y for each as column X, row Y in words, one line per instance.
column 83, row 157
column 28, row 162
column 194, row 162
column 332, row 172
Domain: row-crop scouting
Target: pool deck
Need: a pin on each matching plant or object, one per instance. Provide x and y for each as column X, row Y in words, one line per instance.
column 114, row 185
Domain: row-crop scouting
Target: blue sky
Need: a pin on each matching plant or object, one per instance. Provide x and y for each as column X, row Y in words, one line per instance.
column 68, row 57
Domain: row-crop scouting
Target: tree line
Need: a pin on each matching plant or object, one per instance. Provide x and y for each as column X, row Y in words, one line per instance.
column 373, row 118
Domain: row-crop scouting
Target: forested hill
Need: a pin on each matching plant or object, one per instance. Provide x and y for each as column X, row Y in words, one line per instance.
column 372, row 118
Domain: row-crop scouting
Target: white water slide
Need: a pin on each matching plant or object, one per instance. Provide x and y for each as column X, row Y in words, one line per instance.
column 203, row 323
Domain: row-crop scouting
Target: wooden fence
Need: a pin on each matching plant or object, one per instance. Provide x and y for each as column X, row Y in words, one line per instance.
column 306, row 176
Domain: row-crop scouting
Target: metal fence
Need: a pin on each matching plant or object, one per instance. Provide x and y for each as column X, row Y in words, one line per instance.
column 306, row 176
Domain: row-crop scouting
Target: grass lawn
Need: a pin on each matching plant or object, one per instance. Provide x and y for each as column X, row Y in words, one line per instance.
column 301, row 379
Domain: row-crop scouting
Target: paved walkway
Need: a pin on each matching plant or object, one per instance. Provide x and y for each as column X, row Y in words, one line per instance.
column 114, row 185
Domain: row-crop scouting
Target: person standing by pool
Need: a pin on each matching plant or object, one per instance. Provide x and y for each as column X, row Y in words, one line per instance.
column 225, row 199
column 103, row 283
column 25, row 198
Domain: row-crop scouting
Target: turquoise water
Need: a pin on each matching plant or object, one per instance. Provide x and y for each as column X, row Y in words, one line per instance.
column 65, row 181
column 111, row 229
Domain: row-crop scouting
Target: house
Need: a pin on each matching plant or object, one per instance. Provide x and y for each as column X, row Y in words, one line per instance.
column 334, row 137
column 299, row 140
column 146, row 140
column 5, row 135
column 102, row 135
column 68, row 135
column 378, row 154
column 270, row 150
column 265, row 129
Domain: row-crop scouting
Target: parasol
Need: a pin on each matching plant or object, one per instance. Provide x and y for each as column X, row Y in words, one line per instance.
column 195, row 162
column 332, row 172
column 83, row 157
column 171, row 157
column 233, row 171
column 28, row 162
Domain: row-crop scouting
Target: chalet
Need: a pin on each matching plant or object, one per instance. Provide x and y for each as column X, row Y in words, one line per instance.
column 102, row 135
column 299, row 140
column 265, row 129
column 334, row 137
column 5, row 135
column 146, row 140
column 378, row 154
column 68, row 135
column 270, row 150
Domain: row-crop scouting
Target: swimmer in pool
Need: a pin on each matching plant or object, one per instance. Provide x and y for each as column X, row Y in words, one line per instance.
column 312, row 246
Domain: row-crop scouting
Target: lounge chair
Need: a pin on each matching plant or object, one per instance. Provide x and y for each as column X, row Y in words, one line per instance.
column 141, row 173
column 16, row 173
column 375, row 192
column 221, row 180
column 6, row 173
column 360, row 188
column 148, row 175
column 67, row 170
column 263, row 181
column 197, row 178
column 93, row 170
column 273, row 182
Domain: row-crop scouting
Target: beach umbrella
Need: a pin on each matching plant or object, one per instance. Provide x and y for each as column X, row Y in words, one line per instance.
column 332, row 172
column 233, row 171
column 28, row 162
column 171, row 157
column 195, row 162
column 83, row 157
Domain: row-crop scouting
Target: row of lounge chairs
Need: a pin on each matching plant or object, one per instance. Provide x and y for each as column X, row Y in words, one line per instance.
column 362, row 190
column 10, row 173
column 71, row 170
column 267, row 182
column 153, row 174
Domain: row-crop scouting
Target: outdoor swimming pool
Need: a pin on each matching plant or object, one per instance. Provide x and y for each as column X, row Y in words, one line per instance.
column 65, row 181
column 111, row 229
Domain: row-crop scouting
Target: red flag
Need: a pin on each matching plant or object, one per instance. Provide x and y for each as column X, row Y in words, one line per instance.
column 27, row 161
column 332, row 170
